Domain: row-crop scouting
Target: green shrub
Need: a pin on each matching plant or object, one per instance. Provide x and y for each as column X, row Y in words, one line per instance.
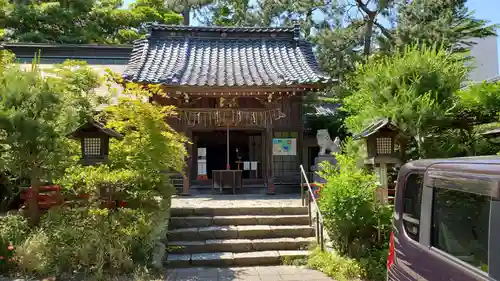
column 352, row 215
column 93, row 241
column 374, row 264
column 336, row 266
column 371, row 267
column 14, row 230
column 136, row 189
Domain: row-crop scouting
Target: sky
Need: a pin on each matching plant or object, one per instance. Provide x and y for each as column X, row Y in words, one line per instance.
column 484, row 9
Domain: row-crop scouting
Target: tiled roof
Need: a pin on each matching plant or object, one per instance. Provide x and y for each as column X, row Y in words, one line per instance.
column 375, row 127
column 326, row 109
column 91, row 123
column 223, row 56
column 493, row 132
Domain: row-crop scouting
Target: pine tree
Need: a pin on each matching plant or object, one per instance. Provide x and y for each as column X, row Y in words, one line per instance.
column 447, row 22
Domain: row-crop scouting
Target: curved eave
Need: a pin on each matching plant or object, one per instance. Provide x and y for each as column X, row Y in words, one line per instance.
column 314, row 83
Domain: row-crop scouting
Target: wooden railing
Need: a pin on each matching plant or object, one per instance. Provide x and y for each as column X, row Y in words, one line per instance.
column 48, row 196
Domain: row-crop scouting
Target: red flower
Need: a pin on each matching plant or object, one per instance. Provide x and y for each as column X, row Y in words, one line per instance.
column 122, row 204
column 1, row 258
column 10, row 248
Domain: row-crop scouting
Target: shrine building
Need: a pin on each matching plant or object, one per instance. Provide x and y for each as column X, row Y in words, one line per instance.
column 239, row 94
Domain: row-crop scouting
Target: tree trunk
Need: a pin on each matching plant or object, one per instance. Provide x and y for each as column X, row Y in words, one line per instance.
column 369, row 33
column 186, row 14
column 33, row 207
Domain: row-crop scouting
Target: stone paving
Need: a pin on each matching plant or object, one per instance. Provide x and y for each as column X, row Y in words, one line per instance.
column 259, row 273
column 236, row 200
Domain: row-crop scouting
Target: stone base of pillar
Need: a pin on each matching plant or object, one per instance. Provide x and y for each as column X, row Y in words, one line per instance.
column 270, row 188
column 317, row 160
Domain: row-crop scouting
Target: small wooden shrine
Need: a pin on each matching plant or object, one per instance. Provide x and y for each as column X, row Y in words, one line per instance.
column 237, row 91
column 94, row 139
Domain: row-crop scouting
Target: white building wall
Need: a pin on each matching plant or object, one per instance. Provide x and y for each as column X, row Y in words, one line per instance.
column 485, row 53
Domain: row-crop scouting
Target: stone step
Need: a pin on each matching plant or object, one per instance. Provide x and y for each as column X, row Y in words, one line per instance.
column 183, row 222
column 240, row 232
column 233, row 259
column 234, row 211
column 240, row 245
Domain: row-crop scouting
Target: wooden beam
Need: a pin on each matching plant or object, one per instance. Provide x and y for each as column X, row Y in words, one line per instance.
column 239, row 91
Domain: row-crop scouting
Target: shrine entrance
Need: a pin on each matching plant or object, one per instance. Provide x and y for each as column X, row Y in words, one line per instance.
column 245, row 152
column 258, row 98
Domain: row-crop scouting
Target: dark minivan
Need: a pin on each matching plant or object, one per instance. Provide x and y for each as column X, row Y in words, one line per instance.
column 446, row 220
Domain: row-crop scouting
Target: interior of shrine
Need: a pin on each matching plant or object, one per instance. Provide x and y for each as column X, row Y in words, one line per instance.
column 244, row 148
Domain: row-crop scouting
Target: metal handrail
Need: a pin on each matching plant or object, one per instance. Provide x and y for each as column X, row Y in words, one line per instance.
column 319, row 217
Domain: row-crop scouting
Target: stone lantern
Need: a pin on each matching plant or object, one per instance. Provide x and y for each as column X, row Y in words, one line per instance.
column 94, row 139
column 385, row 145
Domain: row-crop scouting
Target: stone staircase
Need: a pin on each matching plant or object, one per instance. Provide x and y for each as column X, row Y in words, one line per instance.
column 246, row 236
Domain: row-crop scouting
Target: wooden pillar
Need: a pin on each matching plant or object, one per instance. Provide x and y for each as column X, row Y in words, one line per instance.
column 194, row 158
column 263, row 157
column 269, row 157
column 300, row 138
column 189, row 164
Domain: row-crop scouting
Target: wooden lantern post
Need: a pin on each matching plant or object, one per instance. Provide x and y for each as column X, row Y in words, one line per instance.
column 385, row 147
column 94, row 139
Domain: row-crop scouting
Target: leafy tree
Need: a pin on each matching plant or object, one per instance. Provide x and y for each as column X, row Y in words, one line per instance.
column 415, row 89
column 234, row 13
column 186, row 7
column 82, row 21
column 338, row 51
column 479, row 111
column 150, row 145
column 138, row 162
column 272, row 13
column 370, row 16
column 36, row 113
column 480, row 103
column 448, row 22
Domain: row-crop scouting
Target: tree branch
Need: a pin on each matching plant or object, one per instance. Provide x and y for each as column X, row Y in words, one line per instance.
column 385, row 31
column 365, row 9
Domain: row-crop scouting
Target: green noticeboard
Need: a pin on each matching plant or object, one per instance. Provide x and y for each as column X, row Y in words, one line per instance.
column 286, row 146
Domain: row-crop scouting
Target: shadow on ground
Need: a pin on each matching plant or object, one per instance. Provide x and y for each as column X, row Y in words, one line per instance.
column 262, row 273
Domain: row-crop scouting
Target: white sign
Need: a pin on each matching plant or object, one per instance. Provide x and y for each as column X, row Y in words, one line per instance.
column 246, row 166
column 202, row 151
column 202, row 167
column 253, row 166
column 285, row 146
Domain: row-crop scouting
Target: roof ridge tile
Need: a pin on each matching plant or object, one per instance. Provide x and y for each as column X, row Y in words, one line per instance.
column 257, row 29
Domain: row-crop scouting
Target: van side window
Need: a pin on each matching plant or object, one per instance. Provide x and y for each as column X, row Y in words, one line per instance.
column 412, row 204
column 460, row 225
